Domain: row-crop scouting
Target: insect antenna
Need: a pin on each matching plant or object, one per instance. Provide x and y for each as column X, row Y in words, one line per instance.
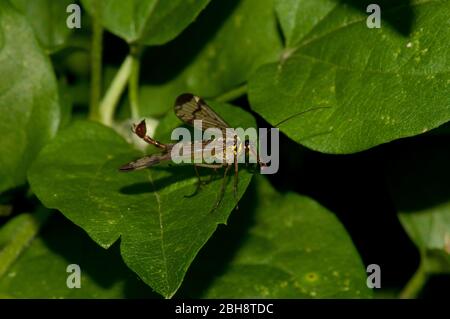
column 301, row 113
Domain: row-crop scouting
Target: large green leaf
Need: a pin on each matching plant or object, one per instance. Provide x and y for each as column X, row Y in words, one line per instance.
column 161, row 230
column 40, row 272
column 378, row 84
column 145, row 21
column 48, row 19
column 228, row 42
column 283, row 246
column 29, row 109
column 419, row 179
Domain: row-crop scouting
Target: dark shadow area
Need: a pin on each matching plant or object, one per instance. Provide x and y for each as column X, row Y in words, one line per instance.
column 214, row 258
column 177, row 173
column 112, row 43
column 397, row 13
column 444, row 129
column 436, row 287
column 354, row 187
column 15, row 201
column 104, row 266
column 419, row 174
column 419, row 178
column 192, row 40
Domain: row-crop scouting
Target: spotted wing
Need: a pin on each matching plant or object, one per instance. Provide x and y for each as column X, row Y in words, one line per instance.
column 189, row 108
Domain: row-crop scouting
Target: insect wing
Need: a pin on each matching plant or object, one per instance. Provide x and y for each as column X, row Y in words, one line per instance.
column 196, row 152
column 189, row 108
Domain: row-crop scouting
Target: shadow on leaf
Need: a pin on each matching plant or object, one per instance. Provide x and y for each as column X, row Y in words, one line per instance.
column 399, row 14
column 104, row 267
column 214, row 258
column 192, row 41
column 419, row 173
column 178, row 173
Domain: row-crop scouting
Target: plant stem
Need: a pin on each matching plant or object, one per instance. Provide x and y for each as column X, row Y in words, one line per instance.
column 115, row 90
column 415, row 284
column 232, row 94
column 96, row 68
column 22, row 229
column 133, row 85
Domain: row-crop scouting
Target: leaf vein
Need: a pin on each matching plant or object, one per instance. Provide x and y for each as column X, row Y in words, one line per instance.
column 161, row 228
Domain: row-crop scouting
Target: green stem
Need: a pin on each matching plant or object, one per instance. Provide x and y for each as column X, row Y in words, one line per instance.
column 22, row 229
column 415, row 284
column 114, row 92
column 232, row 94
column 96, row 69
column 133, row 85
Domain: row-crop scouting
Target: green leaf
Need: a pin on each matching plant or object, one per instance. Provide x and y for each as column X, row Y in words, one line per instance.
column 148, row 22
column 378, row 84
column 28, row 98
column 48, row 19
column 419, row 178
column 16, row 235
column 161, row 230
column 288, row 246
column 41, row 270
column 228, row 42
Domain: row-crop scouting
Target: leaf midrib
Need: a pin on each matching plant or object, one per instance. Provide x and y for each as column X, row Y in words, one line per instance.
column 161, row 228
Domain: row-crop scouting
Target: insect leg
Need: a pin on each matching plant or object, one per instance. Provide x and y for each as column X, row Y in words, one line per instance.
column 214, row 167
column 236, row 176
column 211, row 177
column 236, row 168
column 196, row 166
column 222, row 189
column 199, row 183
